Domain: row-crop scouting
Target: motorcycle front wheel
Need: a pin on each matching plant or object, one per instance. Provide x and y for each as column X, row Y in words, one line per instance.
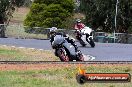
column 92, row 43
column 82, row 43
column 63, row 57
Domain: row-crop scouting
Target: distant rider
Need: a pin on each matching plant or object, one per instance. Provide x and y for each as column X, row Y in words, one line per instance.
column 78, row 27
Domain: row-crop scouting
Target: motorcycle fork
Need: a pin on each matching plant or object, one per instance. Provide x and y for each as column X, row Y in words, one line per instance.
column 56, row 54
column 87, row 38
column 59, row 50
column 63, row 50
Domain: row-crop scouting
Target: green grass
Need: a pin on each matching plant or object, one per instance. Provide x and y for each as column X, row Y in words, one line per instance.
column 11, row 55
column 4, row 52
column 58, row 77
column 24, row 54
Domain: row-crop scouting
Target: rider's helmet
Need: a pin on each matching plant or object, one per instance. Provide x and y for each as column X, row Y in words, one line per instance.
column 78, row 21
column 52, row 31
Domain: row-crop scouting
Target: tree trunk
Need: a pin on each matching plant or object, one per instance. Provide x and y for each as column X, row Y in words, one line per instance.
column 126, row 36
column 2, row 31
column 2, row 27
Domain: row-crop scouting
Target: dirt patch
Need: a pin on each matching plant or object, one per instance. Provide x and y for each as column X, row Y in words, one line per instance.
column 19, row 15
column 79, row 15
column 31, row 66
column 22, row 67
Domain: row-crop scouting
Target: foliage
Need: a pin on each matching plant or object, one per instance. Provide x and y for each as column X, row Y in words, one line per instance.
column 65, row 4
column 7, row 8
column 49, row 13
column 27, row 3
column 101, row 13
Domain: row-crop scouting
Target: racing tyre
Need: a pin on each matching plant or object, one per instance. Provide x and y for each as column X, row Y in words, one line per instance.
column 80, row 57
column 82, row 43
column 63, row 57
column 92, row 43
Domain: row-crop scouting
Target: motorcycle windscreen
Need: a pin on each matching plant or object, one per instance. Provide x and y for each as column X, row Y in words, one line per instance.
column 86, row 30
column 58, row 39
column 70, row 48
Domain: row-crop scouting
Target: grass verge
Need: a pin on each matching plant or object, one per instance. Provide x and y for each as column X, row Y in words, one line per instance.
column 8, row 53
column 59, row 76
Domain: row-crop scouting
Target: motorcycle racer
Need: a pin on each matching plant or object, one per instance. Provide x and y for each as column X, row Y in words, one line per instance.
column 53, row 33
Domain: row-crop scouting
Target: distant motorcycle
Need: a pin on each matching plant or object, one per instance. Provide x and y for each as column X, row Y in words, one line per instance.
column 65, row 51
column 86, row 35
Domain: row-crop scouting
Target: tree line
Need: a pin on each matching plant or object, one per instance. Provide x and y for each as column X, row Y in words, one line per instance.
column 49, row 13
column 101, row 14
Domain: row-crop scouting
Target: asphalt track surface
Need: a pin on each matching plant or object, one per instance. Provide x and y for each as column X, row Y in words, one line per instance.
column 101, row 52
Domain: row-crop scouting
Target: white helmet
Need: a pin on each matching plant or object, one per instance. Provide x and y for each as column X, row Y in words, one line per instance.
column 78, row 20
column 53, row 29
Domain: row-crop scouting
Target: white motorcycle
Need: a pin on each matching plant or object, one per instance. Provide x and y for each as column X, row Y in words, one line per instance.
column 86, row 35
